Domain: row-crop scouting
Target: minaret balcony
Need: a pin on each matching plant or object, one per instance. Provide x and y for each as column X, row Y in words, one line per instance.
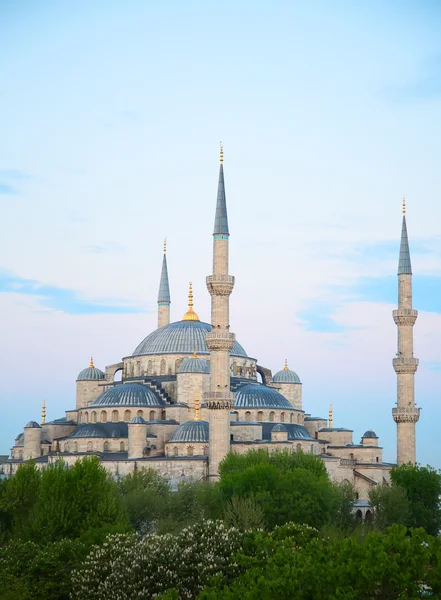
column 220, row 340
column 219, row 400
column 405, row 365
column 220, row 285
column 405, row 316
column 406, row 414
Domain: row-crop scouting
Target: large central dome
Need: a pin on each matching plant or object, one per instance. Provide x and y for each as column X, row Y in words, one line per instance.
column 182, row 337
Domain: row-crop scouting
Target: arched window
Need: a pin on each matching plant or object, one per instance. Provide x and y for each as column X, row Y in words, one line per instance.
column 272, row 415
column 106, row 447
column 292, row 418
column 312, row 449
column 236, row 416
column 93, row 417
column 176, row 451
column 20, row 455
column 140, row 413
column 299, row 447
column 205, row 450
column 152, row 415
column 127, row 415
column 122, row 447
column 190, row 451
column 260, row 416
column 233, row 369
column 177, row 363
column 351, row 456
column 114, row 416
column 75, row 447
column 162, row 367
column 368, row 517
column 282, row 417
column 65, row 447
column 86, row 417
column 299, row 418
column 377, row 459
column 103, row 416
column 149, row 367
column 359, row 515
column 248, row 416
column 89, row 447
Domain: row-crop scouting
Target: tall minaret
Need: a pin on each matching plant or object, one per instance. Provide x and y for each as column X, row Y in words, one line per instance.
column 164, row 293
column 405, row 414
column 219, row 399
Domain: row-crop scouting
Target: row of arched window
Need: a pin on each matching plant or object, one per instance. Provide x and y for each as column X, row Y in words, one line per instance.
column 103, row 416
column 272, row 417
column 189, row 451
column 105, row 447
column 135, row 368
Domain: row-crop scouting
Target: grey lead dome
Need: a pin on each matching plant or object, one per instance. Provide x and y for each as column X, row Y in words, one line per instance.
column 129, row 394
column 182, row 337
column 254, row 395
column 191, row 431
column 286, row 376
column 194, row 365
column 91, row 373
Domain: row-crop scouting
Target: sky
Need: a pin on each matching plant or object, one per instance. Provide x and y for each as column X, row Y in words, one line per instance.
column 111, row 116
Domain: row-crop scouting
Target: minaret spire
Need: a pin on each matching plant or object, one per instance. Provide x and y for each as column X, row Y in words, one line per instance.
column 164, row 293
column 220, row 400
column 406, row 414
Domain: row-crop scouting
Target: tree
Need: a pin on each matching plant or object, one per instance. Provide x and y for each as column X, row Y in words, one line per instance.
column 390, row 505
column 18, row 495
column 423, row 490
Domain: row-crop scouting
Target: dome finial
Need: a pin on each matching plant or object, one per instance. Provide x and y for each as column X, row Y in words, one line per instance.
column 330, row 416
column 196, row 408
column 91, row 366
column 43, row 412
column 286, row 368
column 404, row 205
column 190, row 315
column 194, row 353
column 221, row 153
column 165, row 245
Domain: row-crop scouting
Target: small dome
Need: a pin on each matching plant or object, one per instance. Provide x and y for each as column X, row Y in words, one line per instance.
column 279, row 427
column 194, row 365
column 91, row 373
column 191, row 431
column 129, row 394
column 370, row 434
column 137, row 421
column 32, row 425
column 286, row 376
column 254, row 395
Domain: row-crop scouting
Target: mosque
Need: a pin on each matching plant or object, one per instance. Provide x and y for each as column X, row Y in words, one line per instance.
column 190, row 393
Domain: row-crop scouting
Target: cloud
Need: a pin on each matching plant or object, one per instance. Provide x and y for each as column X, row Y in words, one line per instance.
column 68, row 301
column 7, row 189
column 8, row 175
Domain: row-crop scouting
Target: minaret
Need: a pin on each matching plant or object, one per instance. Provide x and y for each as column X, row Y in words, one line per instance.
column 164, row 293
column 405, row 414
column 219, row 399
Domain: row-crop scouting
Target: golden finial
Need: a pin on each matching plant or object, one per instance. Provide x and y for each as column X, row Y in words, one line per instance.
column 330, row 416
column 196, row 408
column 91, row 363
column 43, row 413
column 221, row 153
column 286, row 368
column 190, row 315
column 194, row 353
column 404, row 205
column 165, row 245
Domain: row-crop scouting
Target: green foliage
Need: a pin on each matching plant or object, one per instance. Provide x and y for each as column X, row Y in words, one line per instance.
column 390, row 505
column 124, row 568
column 423, row 490
column 284, row 461
column 32, row 572
column 18, row 496
column 297, row 495
column 244, row 514
column 378, row 566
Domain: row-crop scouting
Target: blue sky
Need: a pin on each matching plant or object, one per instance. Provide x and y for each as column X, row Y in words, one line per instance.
column 110, row 120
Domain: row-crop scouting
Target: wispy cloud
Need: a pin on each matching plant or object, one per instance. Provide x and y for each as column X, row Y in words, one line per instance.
column 63, row 299
column 7, row 189
column 11, row 175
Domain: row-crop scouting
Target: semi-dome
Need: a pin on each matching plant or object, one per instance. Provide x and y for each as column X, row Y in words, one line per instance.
column 91, row 373
column 129, row 394
column 254, row 395
column 32, row 425
column 370, row 434
column 194, row 365
column 286, row 376
column 191, row 432
column 100, row 430
column 280, row 427
column 182, row 337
